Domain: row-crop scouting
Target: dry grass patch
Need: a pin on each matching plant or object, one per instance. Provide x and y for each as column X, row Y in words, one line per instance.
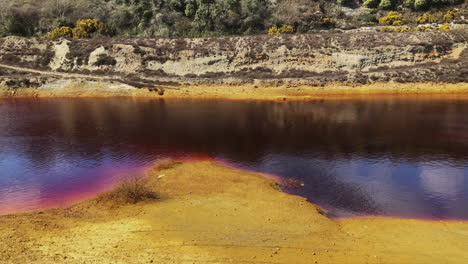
column 166, row 164
column 131, row 190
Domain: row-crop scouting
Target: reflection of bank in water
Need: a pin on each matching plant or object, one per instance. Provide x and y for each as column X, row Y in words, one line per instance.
column 355, row 157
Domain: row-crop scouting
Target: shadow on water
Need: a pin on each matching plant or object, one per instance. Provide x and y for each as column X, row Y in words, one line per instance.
column 404, row 158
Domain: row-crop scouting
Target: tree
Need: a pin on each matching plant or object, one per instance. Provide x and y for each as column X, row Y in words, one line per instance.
column 14, row 21
column 223, row 16
column 386, row 4
column 371, row 3
column 254, row 13
column 421, row 4
column 144, row 11
column 409, row 3
column 60, row 8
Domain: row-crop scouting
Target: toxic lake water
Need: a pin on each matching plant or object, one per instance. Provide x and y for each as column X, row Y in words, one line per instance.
column 382, row 157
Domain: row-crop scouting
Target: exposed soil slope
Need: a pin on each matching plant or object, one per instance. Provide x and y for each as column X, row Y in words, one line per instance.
column 287, row 60
column 208, row 213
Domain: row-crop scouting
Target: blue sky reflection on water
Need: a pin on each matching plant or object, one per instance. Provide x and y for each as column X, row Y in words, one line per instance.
column 396, row 187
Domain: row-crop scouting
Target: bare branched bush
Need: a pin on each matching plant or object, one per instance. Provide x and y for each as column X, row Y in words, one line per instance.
column 60, row 8
column 131, row 190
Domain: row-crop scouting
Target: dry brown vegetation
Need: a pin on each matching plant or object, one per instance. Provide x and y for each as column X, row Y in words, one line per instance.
column 131, row 190
column 166, row 164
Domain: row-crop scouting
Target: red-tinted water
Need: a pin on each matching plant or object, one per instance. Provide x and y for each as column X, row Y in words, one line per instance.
column 388, row 157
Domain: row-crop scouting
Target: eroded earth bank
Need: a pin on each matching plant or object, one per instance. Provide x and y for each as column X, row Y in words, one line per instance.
column 237, row 67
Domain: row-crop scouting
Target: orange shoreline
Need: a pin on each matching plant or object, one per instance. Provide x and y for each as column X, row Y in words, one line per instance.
column 244, row 92
column 210, row 213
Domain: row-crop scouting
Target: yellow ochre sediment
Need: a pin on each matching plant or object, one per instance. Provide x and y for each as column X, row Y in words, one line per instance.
column 266, row 91
column 208, row 213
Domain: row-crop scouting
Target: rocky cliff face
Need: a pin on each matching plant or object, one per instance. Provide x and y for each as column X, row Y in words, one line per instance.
column 318, row 58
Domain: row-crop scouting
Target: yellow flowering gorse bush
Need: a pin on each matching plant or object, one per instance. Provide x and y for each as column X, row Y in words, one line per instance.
column 392, row 18
column 280, row 30
column 84, row 29
column 61, row 32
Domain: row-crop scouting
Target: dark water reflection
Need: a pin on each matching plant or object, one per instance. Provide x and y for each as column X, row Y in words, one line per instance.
column 394, row 157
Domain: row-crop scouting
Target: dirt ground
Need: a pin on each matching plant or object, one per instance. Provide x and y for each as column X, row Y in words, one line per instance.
column 66, row 84
column 208, row 213
column 264, row 91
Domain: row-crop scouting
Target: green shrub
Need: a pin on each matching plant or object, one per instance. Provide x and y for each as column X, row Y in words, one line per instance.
column 409, row 3
column 386, row 4
column 371, row 3
column 190, row 17
column 421, row 4
column 442, row 3
column 106, row 30
column 62, row 22
column 437, row 2
column 366, row 17
column 17, row 22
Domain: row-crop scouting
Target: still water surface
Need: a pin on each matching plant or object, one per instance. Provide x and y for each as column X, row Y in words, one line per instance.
column 386, row 157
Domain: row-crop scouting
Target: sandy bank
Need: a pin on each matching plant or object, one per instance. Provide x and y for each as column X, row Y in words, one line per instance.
column 261, row 91
column 208, row 213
